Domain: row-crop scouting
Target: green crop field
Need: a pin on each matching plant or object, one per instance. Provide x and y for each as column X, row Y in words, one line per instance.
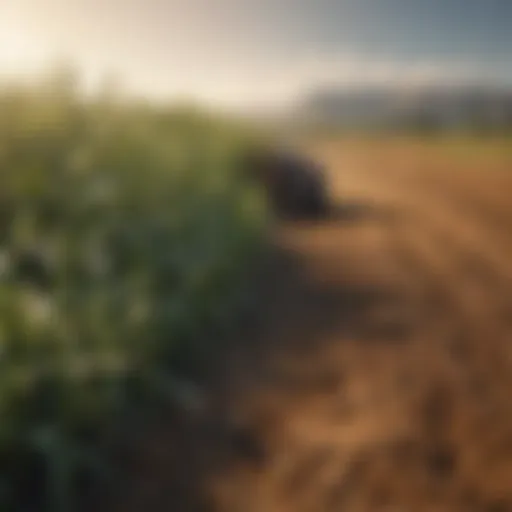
column 125, row 237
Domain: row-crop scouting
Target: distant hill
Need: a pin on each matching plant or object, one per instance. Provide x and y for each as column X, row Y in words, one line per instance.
column 428, row 107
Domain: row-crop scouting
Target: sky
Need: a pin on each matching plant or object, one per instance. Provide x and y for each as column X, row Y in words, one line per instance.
column 240, row 52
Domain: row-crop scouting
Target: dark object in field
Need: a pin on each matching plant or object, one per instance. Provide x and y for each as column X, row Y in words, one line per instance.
column 295, row 186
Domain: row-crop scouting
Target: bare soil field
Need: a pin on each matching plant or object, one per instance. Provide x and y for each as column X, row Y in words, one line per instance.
column 379, row 377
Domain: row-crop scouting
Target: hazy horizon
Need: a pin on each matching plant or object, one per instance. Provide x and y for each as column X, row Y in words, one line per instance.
column 241, row 53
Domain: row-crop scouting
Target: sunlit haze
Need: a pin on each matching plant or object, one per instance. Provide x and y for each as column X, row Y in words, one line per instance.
column 241, row 53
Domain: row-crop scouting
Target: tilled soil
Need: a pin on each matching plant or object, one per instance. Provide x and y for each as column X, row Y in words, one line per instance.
column 380, row 375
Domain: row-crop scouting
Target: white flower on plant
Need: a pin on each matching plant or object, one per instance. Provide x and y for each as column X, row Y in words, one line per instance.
column 39, row 307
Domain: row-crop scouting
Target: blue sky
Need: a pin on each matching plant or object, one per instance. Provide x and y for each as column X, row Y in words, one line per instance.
column 238, row 51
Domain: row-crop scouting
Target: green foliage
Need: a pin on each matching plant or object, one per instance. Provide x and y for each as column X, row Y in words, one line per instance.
column 125, row 235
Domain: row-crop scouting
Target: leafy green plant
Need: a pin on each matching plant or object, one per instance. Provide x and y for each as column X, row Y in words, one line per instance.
column 125, row 234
